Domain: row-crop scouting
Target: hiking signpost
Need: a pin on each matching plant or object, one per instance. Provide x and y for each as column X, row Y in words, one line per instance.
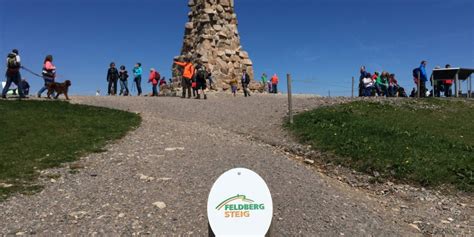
column 239, row 204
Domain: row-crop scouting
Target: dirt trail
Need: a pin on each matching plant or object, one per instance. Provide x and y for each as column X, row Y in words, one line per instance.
column 115, row 192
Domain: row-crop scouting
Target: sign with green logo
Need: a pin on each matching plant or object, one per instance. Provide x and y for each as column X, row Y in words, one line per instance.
column 240, row 204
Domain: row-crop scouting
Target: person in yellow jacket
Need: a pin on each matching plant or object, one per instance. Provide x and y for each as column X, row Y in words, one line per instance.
column 233, row 85
column 187, row 77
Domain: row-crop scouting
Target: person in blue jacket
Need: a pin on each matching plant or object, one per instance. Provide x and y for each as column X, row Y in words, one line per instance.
column 423, row 78
column 137, row 73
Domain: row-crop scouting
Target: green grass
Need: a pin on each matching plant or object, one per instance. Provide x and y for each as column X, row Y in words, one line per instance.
column 430, row 142
column 37, row 135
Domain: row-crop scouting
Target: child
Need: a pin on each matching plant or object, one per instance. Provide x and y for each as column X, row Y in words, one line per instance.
column 123, row 74
column 112, row 78
column 194, row 88
column 154, row 77
column 233, row 86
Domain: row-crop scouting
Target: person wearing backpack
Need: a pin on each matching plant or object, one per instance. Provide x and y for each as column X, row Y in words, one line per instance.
column 154, row 79
column 13, row 73
column 137, row 74
column 123, row 75
column 49, row 74
column 421, row 71
column 187, row 76
column 201, row 83
column 112, row 78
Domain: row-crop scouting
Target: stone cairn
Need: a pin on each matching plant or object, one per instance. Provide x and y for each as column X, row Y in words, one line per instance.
column 211, row 38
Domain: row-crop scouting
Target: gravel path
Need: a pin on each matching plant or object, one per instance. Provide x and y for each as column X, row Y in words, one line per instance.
column 116, row 190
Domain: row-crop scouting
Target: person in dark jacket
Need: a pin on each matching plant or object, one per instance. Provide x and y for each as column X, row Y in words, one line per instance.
column 112, row 78
column 123, row 75
column 245, row 80
column 363, row 74
column 13, row 73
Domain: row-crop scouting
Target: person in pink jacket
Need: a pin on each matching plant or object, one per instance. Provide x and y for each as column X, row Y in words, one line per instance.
column 49, row 74
column 154, row 79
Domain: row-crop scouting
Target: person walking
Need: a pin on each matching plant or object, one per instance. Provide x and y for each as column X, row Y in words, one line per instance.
column 13, row 73
column 264, row 81
column 112, row 78
column 274, row 84
column 187, row 76
column 154, row 79
column 123, row 75
column 49, row 74
column 137, row 77
column 245, row 80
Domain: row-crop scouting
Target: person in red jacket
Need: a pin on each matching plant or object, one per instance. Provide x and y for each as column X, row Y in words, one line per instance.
column 448, row 92
column 187, row 77
column 275, row 84
column 154, row 78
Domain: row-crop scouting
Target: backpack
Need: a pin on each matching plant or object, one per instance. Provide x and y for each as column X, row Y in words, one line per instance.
column 157, row 76
column 11, row 62
column 416, row 72
column 202, row 73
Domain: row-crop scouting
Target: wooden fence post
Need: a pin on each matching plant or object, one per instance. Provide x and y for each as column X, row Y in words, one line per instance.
column 290, row 99
column 353, row 81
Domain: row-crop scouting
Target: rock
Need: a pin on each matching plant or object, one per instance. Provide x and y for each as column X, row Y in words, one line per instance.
column 174, row 148
column 415, row 227
column 121, row 215
column 146, row 178
column 212, row 38
column 4, row 185
column 160, row 205
column 78, row 214
column 308, row 161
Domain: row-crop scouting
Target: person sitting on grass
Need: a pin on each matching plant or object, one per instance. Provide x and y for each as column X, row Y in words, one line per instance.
column 393, row 86
column 381, row 84
column 368, row 84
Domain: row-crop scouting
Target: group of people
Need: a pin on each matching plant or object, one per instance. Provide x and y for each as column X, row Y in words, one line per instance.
column 386, row 84
column 115, row 76
column 379, row 84
column 13, row 75
column 270, row 86
column 193, row 77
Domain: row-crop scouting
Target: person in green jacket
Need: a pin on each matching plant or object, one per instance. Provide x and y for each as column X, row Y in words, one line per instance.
column 264, row 81
column 381, row 84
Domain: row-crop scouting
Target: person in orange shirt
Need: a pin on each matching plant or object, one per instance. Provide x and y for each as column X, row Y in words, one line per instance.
column 274, row 84
column 187, row 77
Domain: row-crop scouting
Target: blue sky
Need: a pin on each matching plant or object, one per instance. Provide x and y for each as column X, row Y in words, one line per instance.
column 321, row 43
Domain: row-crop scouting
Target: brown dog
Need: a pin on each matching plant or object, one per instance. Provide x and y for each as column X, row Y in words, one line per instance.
column 59, row 88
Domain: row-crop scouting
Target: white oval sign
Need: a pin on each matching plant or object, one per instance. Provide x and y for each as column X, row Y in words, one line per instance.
column 240, row 204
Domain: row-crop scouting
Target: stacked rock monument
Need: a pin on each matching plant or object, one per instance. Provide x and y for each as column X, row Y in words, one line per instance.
column 211, row 38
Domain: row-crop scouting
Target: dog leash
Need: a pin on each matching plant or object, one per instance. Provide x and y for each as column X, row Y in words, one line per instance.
column 36, row 74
